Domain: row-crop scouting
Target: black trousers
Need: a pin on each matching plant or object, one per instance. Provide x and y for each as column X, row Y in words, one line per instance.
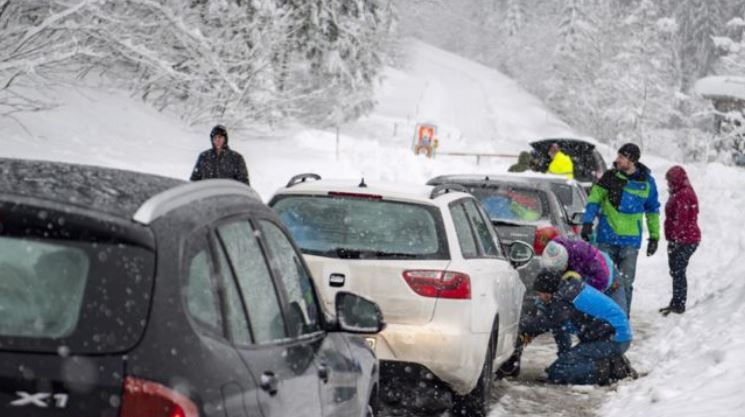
column 678, row 255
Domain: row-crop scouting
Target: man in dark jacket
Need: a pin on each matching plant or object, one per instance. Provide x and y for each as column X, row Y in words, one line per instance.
column 220, row 161
column 602, row 327
column 682, row 233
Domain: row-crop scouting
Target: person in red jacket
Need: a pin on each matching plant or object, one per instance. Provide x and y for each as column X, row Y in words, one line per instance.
column 682, row 233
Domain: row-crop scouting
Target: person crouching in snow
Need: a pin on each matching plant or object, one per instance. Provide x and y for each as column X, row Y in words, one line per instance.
column 594, row 266
column 574, row 258
column 682, row 234
column 603, row 329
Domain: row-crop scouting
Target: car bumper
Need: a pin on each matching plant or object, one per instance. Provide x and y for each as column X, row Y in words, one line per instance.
column 453, row 355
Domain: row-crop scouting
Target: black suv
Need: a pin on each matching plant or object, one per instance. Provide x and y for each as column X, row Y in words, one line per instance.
column 589, row 165
column 132, row 295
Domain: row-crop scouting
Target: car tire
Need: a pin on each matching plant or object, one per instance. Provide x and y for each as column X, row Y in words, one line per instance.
column 476, row 403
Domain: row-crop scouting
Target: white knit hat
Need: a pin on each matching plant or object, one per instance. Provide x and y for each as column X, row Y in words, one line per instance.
column 554, row 257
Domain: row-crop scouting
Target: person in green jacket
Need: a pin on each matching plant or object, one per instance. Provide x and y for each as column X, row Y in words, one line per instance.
column 620, row 200
column 524, row 163
column 561, row 163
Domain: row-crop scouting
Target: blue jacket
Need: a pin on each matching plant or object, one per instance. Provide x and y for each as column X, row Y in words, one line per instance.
column 595, row 316
column 622, row 201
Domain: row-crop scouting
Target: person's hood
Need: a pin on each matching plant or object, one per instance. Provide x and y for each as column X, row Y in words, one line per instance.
column 227, row 138
column 677, row 178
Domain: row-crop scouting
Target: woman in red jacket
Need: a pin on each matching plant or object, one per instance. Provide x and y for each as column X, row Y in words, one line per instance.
column 682, row 234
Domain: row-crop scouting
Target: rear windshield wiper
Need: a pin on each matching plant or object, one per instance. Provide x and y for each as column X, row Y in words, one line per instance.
column 347, row 253
column 501, row 222
column 370, row 254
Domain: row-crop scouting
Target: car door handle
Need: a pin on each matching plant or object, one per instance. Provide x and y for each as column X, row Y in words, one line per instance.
column 269, row 382
column 323, row 372
column 337, row 280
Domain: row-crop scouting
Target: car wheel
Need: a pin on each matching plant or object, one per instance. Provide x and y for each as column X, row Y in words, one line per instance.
column 476, row 403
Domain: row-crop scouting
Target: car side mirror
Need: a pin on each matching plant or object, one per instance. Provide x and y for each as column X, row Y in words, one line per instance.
column 575, row 219
column 356, row 314
column 520, row 253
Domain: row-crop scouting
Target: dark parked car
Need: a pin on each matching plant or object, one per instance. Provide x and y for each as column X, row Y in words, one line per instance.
column 132, row 295
column 525, row 207
column 589, row 165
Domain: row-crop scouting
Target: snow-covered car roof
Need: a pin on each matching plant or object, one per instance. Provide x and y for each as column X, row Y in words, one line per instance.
column 396, row 191
column 116, row 192
column 504, row 176
column 721, row 86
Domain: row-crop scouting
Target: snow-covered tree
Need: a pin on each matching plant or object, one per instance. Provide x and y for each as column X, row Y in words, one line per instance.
column 575, row 28
column 515, row 18
column 336, row 55
column 576, row 58
column 698, row 21
column 640, row 80
column 732, row 60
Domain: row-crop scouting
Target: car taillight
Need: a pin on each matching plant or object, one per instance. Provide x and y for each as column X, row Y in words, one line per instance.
column 439, row 284
column 150, row 399
column 542, row 236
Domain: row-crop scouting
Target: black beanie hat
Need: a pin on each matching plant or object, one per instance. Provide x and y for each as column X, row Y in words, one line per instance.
column 630, row 151
column 219, row 130
column 547, row 281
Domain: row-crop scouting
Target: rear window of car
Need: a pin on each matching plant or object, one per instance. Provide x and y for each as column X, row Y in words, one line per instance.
column 363, row 228
column 60, row 291
column 41, row 287
column 513, row 203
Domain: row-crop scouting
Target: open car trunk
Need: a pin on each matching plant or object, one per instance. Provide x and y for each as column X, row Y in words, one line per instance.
column 588, row 163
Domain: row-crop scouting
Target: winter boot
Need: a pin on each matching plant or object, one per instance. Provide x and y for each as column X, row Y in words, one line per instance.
column 620, row 368
column 511, row 367
column 603, row 371
column 672, row 309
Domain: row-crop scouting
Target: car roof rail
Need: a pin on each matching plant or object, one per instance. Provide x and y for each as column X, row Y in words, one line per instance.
column 446, row 188
column 175, row 197
column 297, row 179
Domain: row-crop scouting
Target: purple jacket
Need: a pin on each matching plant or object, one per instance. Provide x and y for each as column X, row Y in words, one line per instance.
column 587, row 261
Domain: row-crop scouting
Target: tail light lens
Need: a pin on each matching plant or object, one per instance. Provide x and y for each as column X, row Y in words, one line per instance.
column 439, row 284
column 542, row 236
column 150, row 399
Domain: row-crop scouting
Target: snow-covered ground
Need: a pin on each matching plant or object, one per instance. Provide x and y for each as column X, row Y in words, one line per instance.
column 694, row 363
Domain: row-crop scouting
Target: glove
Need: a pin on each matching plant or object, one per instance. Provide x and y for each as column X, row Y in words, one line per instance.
column 523, row 339
column 651, row 247
column 586, row 232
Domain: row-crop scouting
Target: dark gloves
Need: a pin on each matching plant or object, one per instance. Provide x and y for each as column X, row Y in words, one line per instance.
column 651, row 247
column 586, row 231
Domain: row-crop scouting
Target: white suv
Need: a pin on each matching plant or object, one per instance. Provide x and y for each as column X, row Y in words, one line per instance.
column 432, row 261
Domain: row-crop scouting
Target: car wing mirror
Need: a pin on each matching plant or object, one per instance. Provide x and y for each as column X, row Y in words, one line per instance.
column 520, row 253
column 356, row 314
column 575, row 219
